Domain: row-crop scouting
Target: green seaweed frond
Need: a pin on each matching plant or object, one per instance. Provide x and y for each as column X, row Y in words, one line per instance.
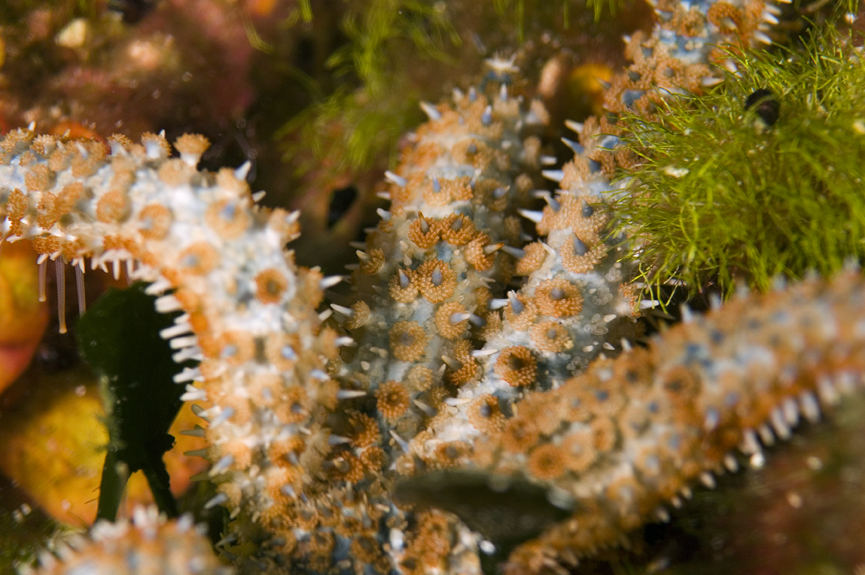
column 502, row 6
column 724, row 196
column 425, row 25
column 372, row 106
column 601, row 7
column 305, row 10
column 302, row 12
column 837, row 8
column 598, row 7
column 349, row 128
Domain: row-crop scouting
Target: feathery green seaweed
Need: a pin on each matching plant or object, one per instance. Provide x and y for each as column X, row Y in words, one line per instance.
column 598, row 7
column 723, row 196
column 369, row 109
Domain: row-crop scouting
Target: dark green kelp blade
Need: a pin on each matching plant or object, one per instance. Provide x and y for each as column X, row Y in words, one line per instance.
column 119, row 338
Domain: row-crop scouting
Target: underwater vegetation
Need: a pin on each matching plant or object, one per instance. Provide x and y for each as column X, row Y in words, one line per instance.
column 477, row 395
column 725, row 193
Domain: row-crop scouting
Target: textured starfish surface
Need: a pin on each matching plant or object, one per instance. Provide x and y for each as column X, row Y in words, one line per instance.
column 148, row 544
column 313, row 424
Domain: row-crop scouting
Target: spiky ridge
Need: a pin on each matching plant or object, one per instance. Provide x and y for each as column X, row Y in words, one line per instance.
column 454, row 200
column 577, row 293
column 686, row 41
column 250, row 312
column 146, row 545
column 577, row 290
column 575, row 304
column 634, row 434
column 424, row 278
column 273, row 401
column 688, row 46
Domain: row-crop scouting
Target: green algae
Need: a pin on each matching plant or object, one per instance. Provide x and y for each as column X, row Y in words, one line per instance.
column 369, row 106
column 723, row 196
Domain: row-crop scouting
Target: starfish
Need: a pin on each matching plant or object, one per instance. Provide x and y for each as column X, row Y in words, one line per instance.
column 308, row 443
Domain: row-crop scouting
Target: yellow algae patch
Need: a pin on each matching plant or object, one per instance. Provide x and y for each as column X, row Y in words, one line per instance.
column 54, row 445
column 22, row 317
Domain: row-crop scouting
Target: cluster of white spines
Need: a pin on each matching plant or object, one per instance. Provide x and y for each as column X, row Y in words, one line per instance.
column 577, row 294
column 441, row 243
column 250, row 314
column 147, row 545
column 422, row 282
column 576, row 303
column 688, row 38
column 631, row 437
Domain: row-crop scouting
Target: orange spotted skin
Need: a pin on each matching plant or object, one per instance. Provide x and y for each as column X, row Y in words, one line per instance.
column 145, row 545
column 438, row 251
column 281, row 424
column 439, row 245
column 633, row 435
column 251, row 322
column 445, row 369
